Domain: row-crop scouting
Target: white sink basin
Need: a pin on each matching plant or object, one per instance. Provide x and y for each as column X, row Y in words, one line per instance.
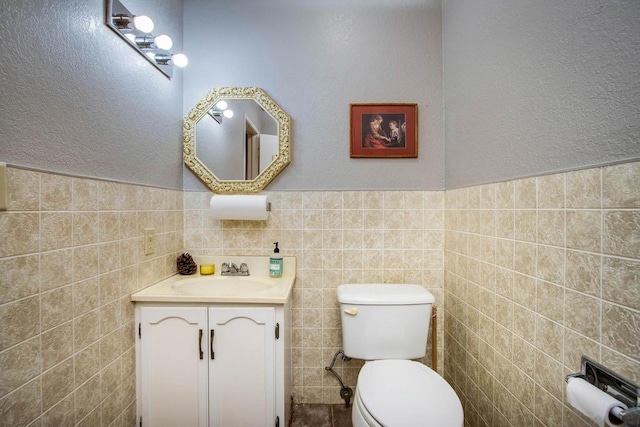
column 222, row 285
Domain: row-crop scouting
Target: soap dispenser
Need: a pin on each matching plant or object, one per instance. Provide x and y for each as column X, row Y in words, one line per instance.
column 275, row 263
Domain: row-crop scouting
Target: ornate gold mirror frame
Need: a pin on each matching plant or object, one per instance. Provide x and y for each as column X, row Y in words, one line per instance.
column 204, row 173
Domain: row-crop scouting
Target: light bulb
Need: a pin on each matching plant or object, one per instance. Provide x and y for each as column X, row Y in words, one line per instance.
column 180, row 60
column 164, row 42
column 131, row 37
column 221, row 105
column 228, row 113
column 143, row 23
column 151, row 55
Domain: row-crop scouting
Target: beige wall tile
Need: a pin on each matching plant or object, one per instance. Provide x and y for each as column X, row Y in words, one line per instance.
column 571, row 419
column 575, row 346
column 621, row 234
column 57, row 382
column 548, row 409
column 551, row 227
column 56, row 307
column 111, row 195
column 621, row 278
column 582, row 314
column 56, row 194
column 550, row 300
column 526, row 223
column 87, row 363
column 23, row 190
column 584, row 230
column 550, row 191
column 549, row 374
column 505, row 195
column 62, row 414
column 620, row 328
column 23, row 405
column 87, row 397
column 85, row 262
column 620, row 185
column 525, row 258
column 57, row 345
column 85, row 194
column 583, row 272
column 109, row 226
column 19, row 277
column 20, row 364
column 56, row 269
column 525, row 194
column 551, row 264
column 20, row 321
column 584, row 189
column 21, row 233
column 625, row 366
column 549, row 337
column 56, row 230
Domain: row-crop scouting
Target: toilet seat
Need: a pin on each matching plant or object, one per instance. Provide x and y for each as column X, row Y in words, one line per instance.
column 403, row 393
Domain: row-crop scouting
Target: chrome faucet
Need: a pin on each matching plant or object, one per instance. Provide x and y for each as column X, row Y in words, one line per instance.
column 231, row 269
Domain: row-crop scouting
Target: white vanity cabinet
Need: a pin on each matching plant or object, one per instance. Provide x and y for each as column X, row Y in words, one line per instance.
column 213, row 364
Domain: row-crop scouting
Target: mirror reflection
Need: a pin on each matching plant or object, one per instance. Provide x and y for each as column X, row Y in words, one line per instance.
column 237, row 139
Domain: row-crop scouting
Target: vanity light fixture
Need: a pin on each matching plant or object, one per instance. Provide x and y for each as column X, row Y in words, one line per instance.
column 136, row 30
column 178, row 59
column 162, row 42
column 124, row 21
column 220, row 110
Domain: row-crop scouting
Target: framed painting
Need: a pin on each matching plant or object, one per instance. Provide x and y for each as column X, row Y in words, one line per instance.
column 384, row 130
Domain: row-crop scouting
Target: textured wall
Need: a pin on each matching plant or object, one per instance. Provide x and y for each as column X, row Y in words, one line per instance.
column 314, row 59
column 535, row 87
column 77, row 99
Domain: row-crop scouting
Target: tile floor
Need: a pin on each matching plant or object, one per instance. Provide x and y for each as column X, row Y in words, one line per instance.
column 321, row 415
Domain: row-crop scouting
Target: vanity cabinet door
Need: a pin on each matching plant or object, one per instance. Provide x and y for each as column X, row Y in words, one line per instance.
column 241, row 366
column 173, row 344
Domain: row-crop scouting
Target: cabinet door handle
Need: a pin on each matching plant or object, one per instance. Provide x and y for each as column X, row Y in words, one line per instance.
column 200, row 345
column 213, row 355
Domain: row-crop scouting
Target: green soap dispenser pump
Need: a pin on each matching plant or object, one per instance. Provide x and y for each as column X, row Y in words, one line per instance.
column 275, row 263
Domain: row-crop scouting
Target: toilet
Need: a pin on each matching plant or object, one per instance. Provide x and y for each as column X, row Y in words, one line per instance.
column 387, row 326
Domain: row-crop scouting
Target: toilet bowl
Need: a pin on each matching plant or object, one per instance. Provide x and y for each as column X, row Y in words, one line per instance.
column 387, row 326
column 403, row 393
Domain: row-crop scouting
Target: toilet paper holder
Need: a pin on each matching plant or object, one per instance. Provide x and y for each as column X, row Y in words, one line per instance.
column 611, row 383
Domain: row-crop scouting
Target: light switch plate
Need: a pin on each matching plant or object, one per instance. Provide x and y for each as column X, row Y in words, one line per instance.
column 3, row 187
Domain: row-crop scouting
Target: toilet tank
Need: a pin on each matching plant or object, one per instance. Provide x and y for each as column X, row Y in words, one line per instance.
column 384, row 321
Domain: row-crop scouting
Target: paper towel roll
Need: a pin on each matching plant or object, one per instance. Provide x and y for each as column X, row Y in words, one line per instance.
column 592, row 402
column 240, row 207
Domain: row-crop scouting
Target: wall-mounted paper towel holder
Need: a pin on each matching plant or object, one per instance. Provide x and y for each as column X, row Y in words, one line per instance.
column 611, row 383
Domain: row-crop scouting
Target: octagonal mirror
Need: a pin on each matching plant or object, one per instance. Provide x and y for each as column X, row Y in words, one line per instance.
column 236, row 140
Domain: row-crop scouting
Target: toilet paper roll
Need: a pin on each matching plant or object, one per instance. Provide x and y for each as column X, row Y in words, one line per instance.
column 593, row 402
column 240, row 207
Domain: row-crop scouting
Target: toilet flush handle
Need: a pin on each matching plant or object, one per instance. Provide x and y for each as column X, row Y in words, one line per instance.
column 352, row 311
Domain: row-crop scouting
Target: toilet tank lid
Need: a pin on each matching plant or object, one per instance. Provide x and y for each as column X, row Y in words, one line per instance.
column 384, row 294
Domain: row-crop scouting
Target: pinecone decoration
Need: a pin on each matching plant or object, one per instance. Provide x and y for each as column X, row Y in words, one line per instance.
column 186, row 264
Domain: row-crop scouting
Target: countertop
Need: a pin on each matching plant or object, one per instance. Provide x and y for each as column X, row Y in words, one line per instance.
column 258, row 288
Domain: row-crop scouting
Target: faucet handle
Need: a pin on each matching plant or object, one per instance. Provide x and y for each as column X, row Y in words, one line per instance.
column 225, row 267
column 244, row 268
